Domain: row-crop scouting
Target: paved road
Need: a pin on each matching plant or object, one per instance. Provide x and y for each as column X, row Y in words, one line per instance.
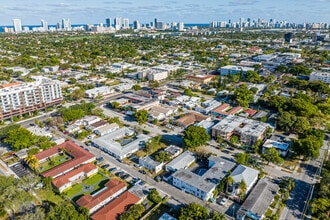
column 297, row 205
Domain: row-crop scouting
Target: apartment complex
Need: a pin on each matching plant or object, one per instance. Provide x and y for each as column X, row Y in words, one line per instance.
column 321, row 76
column 21, row 98
column 249, row 131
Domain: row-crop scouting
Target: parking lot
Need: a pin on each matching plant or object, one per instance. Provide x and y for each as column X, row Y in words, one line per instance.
column 20, row 169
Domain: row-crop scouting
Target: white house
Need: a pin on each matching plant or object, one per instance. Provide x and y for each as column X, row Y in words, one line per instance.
column 183, row 161
column 106, row 129
column 150, row 164
column 247, row 174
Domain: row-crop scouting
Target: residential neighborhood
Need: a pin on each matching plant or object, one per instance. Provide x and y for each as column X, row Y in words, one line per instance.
column 157, row 124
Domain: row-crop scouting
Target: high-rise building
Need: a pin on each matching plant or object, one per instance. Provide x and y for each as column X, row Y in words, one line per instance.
column 155, row 23
column 181, row 26
column 18, row 99
column 108, row 22
column 17, row 25
column 126, row 23
column 66, row 24
column 118, row 23
column 136, row 25
column 44, row 25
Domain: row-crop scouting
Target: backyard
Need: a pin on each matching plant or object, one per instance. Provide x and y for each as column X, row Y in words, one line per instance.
column 54, row 161
column 88, row 186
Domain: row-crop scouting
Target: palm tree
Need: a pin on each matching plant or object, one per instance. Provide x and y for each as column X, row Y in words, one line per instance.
column 230, row 181
column 32, row 161
column 242, row 189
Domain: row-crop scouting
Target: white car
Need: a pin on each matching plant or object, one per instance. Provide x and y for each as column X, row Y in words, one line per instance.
column 223, row 201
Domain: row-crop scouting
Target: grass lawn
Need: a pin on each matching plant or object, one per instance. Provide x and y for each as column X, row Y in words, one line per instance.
column 92, row 180
column 290, row 164
column 49, row 195
column 74, row 190
column 56, row 160
column 100, row 185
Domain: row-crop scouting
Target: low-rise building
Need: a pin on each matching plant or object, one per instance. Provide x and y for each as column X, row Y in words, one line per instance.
column 183, row 161
column 321, row 76
column 257, row 203
column 98, row 92
column 246, row 174
column 249, row 131
column 191, row 183
column 106, row 129
column 69, row 179
column 204, row 79
column 120, row 143
column 78, row 156
column 230, row 69
column 190, row 119
column 281, row 147
column 151, row 164
column 112, row 189
column 115, row 208
column 173, row 150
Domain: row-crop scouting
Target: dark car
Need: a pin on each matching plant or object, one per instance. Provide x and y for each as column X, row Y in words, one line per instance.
column 142, row 171
column 105, row 166
column 125, row 176
column 112, row 169
column 119, row 173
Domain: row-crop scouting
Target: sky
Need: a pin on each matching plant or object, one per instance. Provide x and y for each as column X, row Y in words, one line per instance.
column 187, row 11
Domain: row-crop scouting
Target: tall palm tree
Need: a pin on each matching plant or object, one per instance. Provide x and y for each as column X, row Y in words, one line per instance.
column 32, row 161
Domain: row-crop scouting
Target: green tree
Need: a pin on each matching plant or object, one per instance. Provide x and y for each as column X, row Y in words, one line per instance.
column 272, row 155
column 163, row 157
column 243, row 96
column 252, row 77
column 154, row 196
column 133, row 213
column 195, row 136
column 77, row 94
column 242, row 189
column 136, row 87
column 193, row 211
column 115, row 105
column 141, row 116
column 20, row 138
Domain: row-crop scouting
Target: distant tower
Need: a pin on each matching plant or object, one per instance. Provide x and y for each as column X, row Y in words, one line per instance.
column 181, row 26
column 118, row 23
column 108, row 22
column 66, row 25
column 126, row 23
column 44, row 25
column 17, row 25
column 155, row 23
column 136, row 25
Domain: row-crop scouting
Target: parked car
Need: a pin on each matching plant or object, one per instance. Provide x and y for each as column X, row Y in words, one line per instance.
column 143, row 171
column 105, row 166
column 223, row 201
column 112, row 169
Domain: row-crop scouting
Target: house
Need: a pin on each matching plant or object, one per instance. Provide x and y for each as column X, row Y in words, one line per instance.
column 257, row 203
column 160, row 113
column 191, row 183
column 225, row 109
column 202, row 184
column 248, row 130
column 121, row 142
column 106, row 129
column 118, row 206
column 78, row 156
column 40, row 131
column 246, row 174
column 98, row 92
column 112, row 189
column 207, row 125
column 97, row 125
column 72, row 128
column 183, row 161
column 88, row 120
column 151, row 164
column 230, row 69
column 173, row 150
column 190, row 119
column 203, row 79
column 69, row 179
column 281, row 147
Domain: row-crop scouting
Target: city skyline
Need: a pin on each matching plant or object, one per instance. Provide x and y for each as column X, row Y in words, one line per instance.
column 188, row 11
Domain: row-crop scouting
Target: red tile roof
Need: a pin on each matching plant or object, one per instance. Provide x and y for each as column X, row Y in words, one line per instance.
column 251, row 112
column 191, row 118
column 64, row 179
column 89, row 201
column 10, row 84
column 78, row 154
column 117, row 207
column 221, row 108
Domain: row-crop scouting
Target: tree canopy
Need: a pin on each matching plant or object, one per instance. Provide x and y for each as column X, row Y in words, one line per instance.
column 141, row 116
column 20, row 138
column 195, row 136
